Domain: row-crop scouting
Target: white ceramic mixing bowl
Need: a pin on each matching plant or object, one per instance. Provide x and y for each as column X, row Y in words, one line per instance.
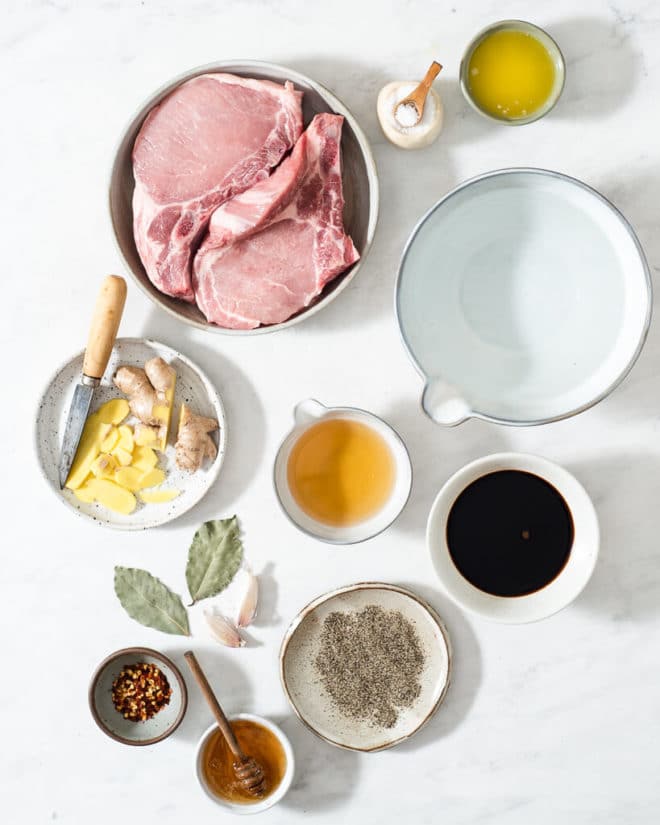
column 523, row 297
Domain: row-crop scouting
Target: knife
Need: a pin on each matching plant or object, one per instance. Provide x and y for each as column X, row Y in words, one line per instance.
column 102, row 334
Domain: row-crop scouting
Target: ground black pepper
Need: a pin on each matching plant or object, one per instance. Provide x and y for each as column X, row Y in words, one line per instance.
column 370, row 663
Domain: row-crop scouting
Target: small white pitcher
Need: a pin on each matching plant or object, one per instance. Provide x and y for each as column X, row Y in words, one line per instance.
column 310, row 412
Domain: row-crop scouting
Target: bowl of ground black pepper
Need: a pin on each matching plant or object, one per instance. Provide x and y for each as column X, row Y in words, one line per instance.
column 137, row 696
column 366, row 666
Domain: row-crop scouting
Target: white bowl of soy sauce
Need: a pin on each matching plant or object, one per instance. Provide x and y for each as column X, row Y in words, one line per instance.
column 513, row 537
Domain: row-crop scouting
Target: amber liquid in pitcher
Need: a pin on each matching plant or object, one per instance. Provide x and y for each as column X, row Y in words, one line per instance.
column 257, row 742
column 340, row 472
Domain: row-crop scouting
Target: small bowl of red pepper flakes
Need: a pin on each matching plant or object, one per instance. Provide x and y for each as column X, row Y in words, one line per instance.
column 137, row 696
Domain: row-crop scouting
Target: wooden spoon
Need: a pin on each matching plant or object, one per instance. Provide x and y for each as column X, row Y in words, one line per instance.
column 417, row 98
column 248, row 771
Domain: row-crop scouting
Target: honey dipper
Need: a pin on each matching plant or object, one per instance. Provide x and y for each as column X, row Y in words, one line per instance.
column 248, row 771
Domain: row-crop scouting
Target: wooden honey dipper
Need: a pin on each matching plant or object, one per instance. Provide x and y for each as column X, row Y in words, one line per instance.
column 248, row 771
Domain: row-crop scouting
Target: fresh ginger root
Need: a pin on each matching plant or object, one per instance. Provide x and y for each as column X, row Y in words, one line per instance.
column 150, row 393
column 193, row 443
column 133, row 382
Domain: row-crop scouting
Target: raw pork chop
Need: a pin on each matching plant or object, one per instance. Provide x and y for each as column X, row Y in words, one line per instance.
column 210, row 139
column 271, row 250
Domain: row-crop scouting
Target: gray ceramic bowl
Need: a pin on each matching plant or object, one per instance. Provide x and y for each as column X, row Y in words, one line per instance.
column 359, row 177
column 112, row 723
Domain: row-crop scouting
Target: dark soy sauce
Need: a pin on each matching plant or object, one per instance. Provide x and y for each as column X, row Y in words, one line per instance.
column 510, row 533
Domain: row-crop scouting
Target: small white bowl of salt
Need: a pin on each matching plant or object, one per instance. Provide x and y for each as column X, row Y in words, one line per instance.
column 410, row 113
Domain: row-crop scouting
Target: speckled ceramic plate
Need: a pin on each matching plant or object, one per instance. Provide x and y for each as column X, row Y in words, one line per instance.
column 315, row 707
column 111, row 722
column 192, row 386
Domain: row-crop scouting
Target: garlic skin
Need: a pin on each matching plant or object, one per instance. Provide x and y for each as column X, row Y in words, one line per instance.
column 247, row 608
column 223, row 630
column 409, row 137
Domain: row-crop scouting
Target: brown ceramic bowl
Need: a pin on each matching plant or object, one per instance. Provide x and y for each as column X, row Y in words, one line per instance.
column 360, row 182
column 112, row 723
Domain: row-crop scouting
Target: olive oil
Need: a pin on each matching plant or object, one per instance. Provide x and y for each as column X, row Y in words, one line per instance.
column 510, row 75
column 340, row 472
column 256, row 741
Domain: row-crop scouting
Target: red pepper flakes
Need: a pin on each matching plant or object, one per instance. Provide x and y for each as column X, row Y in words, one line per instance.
column 140, row 691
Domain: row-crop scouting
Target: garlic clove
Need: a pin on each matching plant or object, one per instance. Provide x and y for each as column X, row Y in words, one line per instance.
column 223, row 630
column 247, row 609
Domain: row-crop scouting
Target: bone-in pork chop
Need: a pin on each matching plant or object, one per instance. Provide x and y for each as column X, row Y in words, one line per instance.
column 271, row 250
column 210, row 139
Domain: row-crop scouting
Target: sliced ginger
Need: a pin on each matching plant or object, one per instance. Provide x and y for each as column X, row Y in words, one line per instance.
column 110, row 495
column 115, row 461
column 193, row 443
column 126, row 440
column 110, row 441
column 104, row 466
column 124, row 457
column 145, row 436
column 150, row 394
column 144, row 458
column 114, row 411
column 153, row 478
column 89, row 447
column 84, row 494
column 130, row 478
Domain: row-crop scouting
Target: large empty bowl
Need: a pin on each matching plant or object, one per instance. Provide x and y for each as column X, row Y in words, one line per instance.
column 360, row 184
column 523, row 297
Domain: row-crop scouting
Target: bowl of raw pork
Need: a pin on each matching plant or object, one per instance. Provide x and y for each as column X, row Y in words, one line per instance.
column 243, row 197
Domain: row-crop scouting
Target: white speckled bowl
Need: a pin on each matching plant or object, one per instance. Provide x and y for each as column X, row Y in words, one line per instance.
column 192, row 386
column 263, row 804
column 359, row 176
column 112, row 723
column 314, row 706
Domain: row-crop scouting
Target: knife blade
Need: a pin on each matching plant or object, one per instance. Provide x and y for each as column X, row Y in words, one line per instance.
column 103, row 331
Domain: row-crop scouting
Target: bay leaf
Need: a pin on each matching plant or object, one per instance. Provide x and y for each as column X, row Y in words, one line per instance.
column 214, row 557
column 147, row 600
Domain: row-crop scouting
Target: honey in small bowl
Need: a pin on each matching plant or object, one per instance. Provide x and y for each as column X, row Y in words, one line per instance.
column 257, row 741
column 341, row 472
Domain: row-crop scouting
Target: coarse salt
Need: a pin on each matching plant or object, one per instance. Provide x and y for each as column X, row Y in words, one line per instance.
column 406, row 115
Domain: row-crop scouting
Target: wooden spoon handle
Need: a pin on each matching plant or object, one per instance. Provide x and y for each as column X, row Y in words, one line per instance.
column 105, row 323
column 433, row 71
column 221, row 719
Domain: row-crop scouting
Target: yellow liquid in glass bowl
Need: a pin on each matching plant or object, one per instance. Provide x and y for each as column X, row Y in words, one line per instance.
column 341, row 472
column 511, row 75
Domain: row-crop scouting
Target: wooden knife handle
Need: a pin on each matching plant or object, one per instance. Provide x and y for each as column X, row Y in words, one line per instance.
column 105, row 323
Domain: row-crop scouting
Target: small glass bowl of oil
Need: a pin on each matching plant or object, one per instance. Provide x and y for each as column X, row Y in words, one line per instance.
column 342, row 474
column 512, row 72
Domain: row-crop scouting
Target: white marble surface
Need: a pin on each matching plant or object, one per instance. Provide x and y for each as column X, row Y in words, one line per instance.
column 553, row 722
